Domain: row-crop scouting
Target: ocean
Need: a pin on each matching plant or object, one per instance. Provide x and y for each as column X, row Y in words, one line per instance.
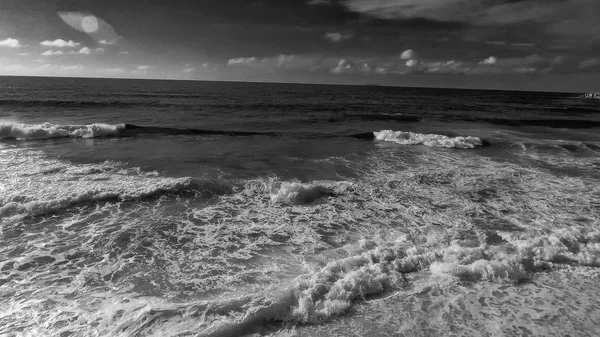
column 181, row 208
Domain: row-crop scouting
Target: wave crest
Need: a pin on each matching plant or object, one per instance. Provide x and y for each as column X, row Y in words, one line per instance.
column 433, row 140
column 47, row 130
column 297, row 193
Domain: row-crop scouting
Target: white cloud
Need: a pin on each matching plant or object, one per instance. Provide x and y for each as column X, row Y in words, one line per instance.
column 24, row 54
column 188, row 69
column 241, row 60
column 88, row 51
column 124, row 52
column 52, row 52
column 489, row 60
column 381, row 70
column 411, row 63
column 407, row 54
column 588, row 63
column 71, row 68
column 60, row 43
column 10, row 43
column 445, row 67
column 365, row 68
column 143, row 67
column 337, row 37
column 342, row 67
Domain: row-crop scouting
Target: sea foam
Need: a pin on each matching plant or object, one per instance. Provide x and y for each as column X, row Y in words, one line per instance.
column 297, row 193
column 433, row 140
column 9, row 130
column 374, row 267
column 34, row 185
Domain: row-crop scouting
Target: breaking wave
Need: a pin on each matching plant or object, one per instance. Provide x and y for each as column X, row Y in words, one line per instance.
column 375, row 268
column 297, row 193
column 433, row 140
column 40, row 185
column 48, row 130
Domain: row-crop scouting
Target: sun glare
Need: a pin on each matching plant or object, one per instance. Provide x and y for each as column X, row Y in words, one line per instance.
column 89, row 24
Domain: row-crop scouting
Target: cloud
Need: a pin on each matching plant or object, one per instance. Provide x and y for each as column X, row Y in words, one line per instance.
column 445, row 67
column 565, row 17
column 337, row 37
column 52, row 52
column 10, row 43
column 411, row 63
column 143, row 67
column 124, row 52
column 92, row 25
column 88, row 51
column 59, row 43
column 476, row 11
column 523, row 44
column 241, row 60
column 343, row 66
column 71, row 68
column 188, row 69
column 588, row 63
column 85, row 50
column 407, row 54
column 498, row 43
column 319, row 2
column 489, row 60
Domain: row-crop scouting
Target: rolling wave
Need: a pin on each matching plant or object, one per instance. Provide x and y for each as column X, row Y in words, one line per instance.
column 433, row 140
column 98, row 130
column 40, row 185
column 47, row 130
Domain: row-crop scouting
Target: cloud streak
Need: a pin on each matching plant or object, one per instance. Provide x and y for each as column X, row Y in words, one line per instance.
column 565, row 17
column 52, row 53
column 60, row 43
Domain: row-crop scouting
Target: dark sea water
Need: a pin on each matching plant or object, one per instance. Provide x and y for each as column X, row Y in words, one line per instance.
column 166, row 208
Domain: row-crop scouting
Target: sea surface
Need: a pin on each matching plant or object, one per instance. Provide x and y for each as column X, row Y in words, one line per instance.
column 173, row 208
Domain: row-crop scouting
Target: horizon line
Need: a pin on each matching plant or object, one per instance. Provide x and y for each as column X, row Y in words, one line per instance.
column 283, row 82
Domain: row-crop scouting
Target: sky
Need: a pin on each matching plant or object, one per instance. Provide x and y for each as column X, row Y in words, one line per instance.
column 551, row 45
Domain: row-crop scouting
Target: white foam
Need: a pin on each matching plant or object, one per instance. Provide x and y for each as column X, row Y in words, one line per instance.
column 375, row 267
column 297, row 193
column 34, row 185
column 444, row 219
column 47, row 130
column 433, row 140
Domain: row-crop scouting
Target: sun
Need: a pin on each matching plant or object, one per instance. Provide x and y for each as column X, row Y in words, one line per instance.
column 89, row 24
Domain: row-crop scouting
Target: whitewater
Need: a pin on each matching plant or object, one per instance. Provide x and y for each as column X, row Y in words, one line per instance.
column 302, row 221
